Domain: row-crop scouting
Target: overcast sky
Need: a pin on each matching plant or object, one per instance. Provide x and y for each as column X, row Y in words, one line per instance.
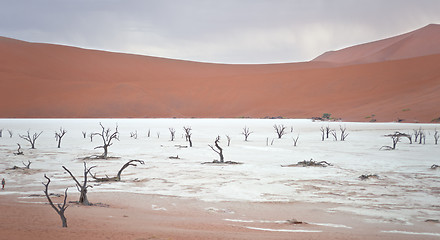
column 220, row 31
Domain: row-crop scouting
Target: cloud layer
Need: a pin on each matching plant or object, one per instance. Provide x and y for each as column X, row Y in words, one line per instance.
column 227, row 31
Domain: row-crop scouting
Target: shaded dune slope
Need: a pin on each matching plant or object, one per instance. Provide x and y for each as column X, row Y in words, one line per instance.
column 44, row 80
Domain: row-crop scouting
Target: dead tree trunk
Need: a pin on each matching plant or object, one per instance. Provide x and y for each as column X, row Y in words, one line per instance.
column 188, row 135
column 280, row 130
column 19, row 152
column 82, row 188
column 436, row 137
column 1, row 132
column 28, row 165
column 246, row 133
column 219, row 150
column 343, row 133
column 322, row 133
column 134, row 134
column 117, row 178
column 295, row 140
column 229, row 140
column 10, row 133
column 333, row 132
column 327, row 131
column 60, row 209
column 107, row 136
column 173, row 133
column 31, row 139
column 60, row 135
column 84, row 134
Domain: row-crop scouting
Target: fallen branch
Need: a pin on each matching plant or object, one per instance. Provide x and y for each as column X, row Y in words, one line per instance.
column 117, row 178
column 309, row 163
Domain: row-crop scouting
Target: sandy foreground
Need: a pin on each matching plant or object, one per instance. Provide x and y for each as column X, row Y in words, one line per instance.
column 141, row 216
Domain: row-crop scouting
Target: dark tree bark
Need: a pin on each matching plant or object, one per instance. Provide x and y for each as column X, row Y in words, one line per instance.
column 60, row 135
column 280, row 130
column 117, row 178
column 107, row 137
column 60, row 209
column 188, row 135
column 219, row 150
column 82, row 188
column 246, row 132
column 31, row 139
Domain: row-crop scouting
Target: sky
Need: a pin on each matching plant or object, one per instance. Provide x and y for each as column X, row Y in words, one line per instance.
column 221, row 31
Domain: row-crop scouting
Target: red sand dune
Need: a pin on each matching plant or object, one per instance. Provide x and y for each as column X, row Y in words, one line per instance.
column 401, row 79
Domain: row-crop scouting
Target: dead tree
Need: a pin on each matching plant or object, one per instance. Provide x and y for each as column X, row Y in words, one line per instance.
column 1, row 132
column 333, row 132
column 59, row 136
column 19, row 152
column 10, row 133
column 31, row 139
column 436, row 136
column 280, row 130
column 84, row 134
column 107, row 136
column 149, row 132
column 327, row 131
column 158, row 135
column 28, row 165
column 295, row 140
column 246, row 133
column 173, row 133
column 343, row 133
column 60, row 209
column 82, row 188
column 396, row 138
column 188, row 135
column 134, row 134
column 117, row 178
column 229, row 140
column 322, row 133
column 219, row 150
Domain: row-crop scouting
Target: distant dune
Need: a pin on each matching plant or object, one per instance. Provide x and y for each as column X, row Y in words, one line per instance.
column 391, row 79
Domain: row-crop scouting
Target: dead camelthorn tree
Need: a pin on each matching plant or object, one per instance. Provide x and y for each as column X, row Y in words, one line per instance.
column 1, row 132
column 280, row 130
column 84, row 134
column 134, row 134
column 219, row 150
column 19, row 152
column 396, row 138
column 327, row 131
column 59, row 135
column 333, row 133
column 229, row 140
column 82, row 188
column 188, row 135
column 149, row 132
column 344, row 134
column 107, row 137
column 60, row 209
column 436, row 136
column 10, row 133
column 173, row 133
column 295, row 140
column 117, row 178
column 322, row 133
column 246, row 132
column 31, row 139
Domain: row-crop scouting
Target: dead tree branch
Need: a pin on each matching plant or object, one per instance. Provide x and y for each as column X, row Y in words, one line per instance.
column 60, row 209
column 343, row 133
column 396, row 138
column 10, row 133
column 19, row 152
column 117, row 178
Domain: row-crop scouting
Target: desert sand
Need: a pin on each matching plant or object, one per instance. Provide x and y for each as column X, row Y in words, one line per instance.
column 392, row 79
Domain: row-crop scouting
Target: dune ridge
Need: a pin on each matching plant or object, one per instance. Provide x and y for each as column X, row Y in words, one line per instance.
column 399, row 80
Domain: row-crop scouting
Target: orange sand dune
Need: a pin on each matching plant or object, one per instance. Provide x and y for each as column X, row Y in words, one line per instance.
column 44, row 80
column 421, row 42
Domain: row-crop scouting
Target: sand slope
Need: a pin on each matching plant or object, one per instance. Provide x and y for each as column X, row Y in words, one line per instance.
column 44, row 80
